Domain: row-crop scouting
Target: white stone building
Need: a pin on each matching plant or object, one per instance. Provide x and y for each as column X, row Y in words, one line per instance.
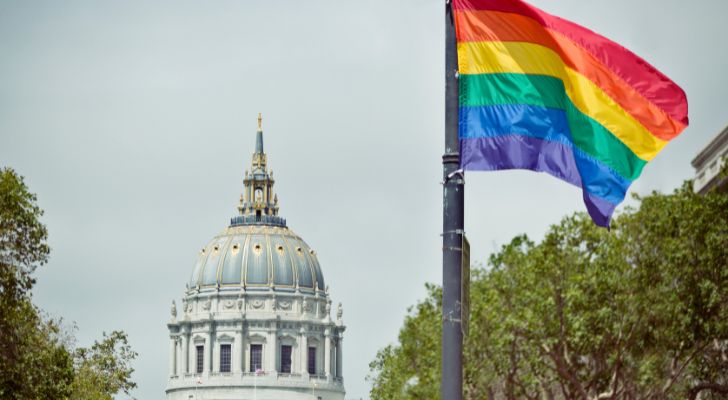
column 255, row 319
column 708, row 163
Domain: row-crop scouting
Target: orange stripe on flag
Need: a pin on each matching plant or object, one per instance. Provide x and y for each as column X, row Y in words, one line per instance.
column 495, row 26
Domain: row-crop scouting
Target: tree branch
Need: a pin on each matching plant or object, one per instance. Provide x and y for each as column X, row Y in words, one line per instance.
column 713, row 387
column 674, row 374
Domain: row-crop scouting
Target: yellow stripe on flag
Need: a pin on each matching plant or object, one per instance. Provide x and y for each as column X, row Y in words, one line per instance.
column 533, row 59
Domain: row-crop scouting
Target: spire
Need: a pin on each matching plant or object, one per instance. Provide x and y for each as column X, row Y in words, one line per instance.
column 259, row 135
column 259, row 158
column 258, row 203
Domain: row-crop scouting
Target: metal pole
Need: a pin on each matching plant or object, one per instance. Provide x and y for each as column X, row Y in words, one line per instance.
column 452, row 223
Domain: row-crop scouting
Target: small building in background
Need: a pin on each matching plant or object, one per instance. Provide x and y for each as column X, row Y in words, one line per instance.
column 708, row 164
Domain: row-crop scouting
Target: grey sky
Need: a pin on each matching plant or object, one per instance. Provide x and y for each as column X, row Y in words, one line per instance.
column 134, row 121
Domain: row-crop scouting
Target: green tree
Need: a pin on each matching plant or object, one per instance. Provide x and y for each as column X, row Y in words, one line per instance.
column 412, row 370
column 36, row 357
column 680, row 244
column 104, row 369
column 23, row 238
column 41, row 366
column 638, row 312
column 34, row 363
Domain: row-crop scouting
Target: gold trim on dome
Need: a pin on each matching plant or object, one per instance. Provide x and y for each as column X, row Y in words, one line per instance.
column 248, row 284
column 201, row 272
column 293, row 269
column 293, row 262
column 241, row 235
column 314, row 271
column 218, row 270
column 200, row 261
column 271, row 267
column 244, row 277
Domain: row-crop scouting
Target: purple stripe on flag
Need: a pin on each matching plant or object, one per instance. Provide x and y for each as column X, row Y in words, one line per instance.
column 519, row 152
column 599, row 209
column 525, row 152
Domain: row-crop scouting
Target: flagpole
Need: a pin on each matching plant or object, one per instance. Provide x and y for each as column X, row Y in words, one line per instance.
column 452, row 223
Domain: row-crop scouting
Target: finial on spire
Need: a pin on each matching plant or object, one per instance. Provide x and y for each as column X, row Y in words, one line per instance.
column 259, row 142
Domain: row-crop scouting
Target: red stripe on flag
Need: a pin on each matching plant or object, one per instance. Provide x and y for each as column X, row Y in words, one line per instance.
column 637, row 72
column 496, row 26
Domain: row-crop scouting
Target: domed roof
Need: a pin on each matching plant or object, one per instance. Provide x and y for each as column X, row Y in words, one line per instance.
column 257, row 256
column 257, row 250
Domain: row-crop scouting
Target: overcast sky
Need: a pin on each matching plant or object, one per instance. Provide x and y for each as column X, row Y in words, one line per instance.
column 133, row 121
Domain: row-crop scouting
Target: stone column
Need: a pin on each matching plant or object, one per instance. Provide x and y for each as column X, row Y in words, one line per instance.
column 207, row 362
column 339, row 357
column 215, row 355
column 238, row 351
column 178, row 350
column 184, row 353
column 303, row 345
column 172, row 356
column 327, row 353
column 272, row 349
column 192, row 351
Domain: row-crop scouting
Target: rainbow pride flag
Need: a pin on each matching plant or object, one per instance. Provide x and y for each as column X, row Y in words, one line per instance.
column 541, row 93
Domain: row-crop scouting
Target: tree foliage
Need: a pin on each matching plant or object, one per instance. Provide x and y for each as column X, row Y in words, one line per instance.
column 104, row 369
column 23, row 238
column 638, row 312
column 418, row 353
column 37, row 359
column 34, row 364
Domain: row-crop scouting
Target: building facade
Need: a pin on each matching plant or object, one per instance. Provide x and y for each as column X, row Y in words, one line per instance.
column 255, row 320
column 708, row 164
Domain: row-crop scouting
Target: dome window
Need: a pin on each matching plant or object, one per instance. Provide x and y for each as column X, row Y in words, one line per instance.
column 313, row 253
column 217, row 247
column 280, row 248
column 298, row 249
column 257, row 247
column 236, row 248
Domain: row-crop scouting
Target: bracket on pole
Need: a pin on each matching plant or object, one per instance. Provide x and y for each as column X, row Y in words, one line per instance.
column 459, row 173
